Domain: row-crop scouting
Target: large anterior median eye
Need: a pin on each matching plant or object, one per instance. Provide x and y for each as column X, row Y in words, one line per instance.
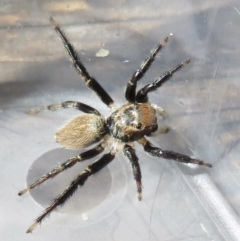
column 139, row 125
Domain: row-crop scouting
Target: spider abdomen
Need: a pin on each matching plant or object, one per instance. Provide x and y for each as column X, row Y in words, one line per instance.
column 132, row 121
column 82, row 131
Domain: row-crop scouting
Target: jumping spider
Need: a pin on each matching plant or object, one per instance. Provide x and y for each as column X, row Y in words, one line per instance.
column 131, row 122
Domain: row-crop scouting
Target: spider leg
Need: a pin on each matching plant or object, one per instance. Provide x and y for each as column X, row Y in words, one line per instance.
column 164, row 129
column 79, row 67
column 160, row 130
column 130, row 92
column 73, row 186
column 142, row 93
column 62, row 167
column 129, row 152
column 160, row 111
column 158, row 152
column 67, row 104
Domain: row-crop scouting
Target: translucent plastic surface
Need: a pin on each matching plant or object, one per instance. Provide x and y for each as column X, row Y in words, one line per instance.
column 180, row 202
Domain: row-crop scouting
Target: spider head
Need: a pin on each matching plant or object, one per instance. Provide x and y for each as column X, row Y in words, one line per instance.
column 132, row 121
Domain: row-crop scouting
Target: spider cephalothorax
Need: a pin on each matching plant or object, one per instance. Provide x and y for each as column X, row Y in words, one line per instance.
column 131, row 122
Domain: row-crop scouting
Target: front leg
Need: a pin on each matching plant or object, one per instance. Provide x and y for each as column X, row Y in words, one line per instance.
column 130, row 92
column 158, row 152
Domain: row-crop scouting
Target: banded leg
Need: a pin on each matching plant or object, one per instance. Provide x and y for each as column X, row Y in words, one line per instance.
column 73, row 186
column 62, row 167
column 79, row 67
column 67, row 104
column 142, row 93
column 158, row 152
column 129, row 152
column 130, row 92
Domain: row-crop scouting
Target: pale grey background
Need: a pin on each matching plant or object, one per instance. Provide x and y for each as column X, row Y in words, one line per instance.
column 180, row 202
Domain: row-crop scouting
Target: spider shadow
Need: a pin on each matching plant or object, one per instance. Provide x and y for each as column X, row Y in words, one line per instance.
column 95, row 191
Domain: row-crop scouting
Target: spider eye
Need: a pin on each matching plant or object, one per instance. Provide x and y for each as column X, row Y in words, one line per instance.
column 139, row 125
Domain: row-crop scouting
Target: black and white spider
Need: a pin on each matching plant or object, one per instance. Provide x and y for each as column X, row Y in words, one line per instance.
column 131, row 122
